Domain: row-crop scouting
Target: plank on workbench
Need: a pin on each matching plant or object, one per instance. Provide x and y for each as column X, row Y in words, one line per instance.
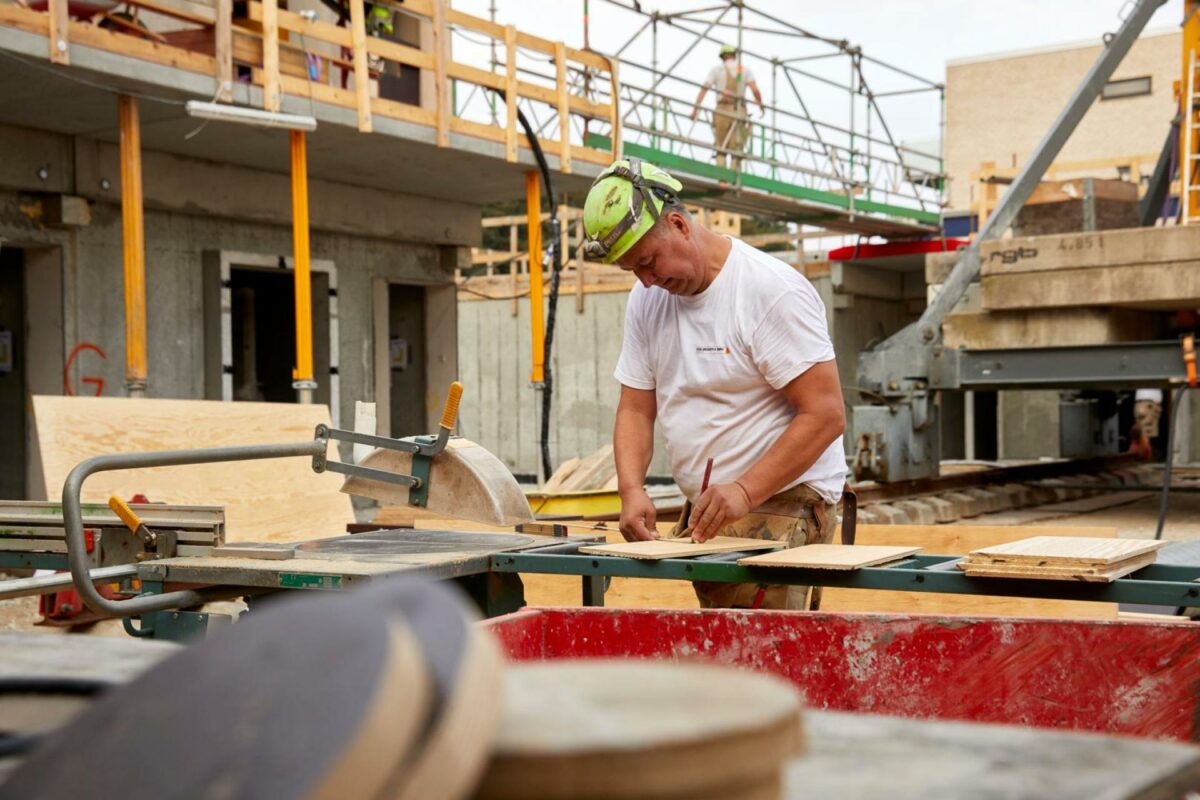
column 1065, row 551
column 1087, row 574
column 657, row 549
column 830, row 556
column 959, row 539
column 275, row 500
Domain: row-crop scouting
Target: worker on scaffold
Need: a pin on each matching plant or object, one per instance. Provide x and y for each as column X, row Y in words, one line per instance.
column 729, row 80
column 728, row 350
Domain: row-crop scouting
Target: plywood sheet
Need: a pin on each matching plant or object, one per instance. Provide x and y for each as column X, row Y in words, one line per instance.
column 1065, row 551
column 657, row 549
column 960, row 539
column 830, row 556
column 1105, row 574
column 277, row 500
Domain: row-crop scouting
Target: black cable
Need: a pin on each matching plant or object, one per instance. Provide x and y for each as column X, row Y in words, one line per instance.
column 1164, row 499
column 555, row 271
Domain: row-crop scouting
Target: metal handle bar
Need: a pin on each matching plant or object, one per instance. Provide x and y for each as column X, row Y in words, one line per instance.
column 73, row 515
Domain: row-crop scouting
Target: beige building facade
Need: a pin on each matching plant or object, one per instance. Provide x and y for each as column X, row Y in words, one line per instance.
column 999, row 106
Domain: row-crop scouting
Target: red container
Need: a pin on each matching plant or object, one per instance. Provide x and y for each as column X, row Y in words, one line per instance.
column 1134, row 678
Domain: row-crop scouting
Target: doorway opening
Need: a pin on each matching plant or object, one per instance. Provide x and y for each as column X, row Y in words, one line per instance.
column 407, row 360
column 13, row 422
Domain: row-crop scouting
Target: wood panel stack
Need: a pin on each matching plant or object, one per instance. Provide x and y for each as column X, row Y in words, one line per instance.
column 1061, row 558
column 590, row 473
column 1146, row 268
column 1072, row 289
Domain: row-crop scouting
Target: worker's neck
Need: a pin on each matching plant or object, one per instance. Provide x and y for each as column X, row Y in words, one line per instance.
column 715, row 248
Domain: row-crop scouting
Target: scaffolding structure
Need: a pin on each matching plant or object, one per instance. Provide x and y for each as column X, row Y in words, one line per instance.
column 846, row 158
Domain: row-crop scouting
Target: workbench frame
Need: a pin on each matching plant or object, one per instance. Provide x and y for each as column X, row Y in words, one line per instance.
column 1156, row 584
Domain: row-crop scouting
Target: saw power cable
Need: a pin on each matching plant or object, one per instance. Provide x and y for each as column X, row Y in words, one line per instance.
column 555, row 272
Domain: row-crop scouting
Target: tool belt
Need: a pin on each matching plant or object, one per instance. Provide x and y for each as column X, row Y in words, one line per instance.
column 780, row 505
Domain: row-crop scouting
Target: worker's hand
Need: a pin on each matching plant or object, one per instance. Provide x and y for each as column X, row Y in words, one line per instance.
column 722, row 504
column 637, row 517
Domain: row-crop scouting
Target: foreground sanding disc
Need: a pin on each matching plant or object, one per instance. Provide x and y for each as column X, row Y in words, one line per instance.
column 466, row 669
column 331, row 696
column 641, row 729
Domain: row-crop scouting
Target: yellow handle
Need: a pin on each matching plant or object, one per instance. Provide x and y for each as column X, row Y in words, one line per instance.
column 122, row 510
column 450, row 412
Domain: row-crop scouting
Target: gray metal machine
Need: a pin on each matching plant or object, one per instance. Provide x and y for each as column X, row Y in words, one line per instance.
column 897, row 435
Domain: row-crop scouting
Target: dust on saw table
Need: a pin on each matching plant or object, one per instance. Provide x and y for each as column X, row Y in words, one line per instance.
column 342, row 561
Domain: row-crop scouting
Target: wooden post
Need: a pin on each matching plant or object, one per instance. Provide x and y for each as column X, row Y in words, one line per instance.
column 270, row 26
column 223, row 38
column 579, row 264
column 510, row 93
column 302, row 376
column 564, row 107
column 60, row 21
column 616, row 109
column 441, row 55
column 362, row 75
column 533, row 210
column 133, row 245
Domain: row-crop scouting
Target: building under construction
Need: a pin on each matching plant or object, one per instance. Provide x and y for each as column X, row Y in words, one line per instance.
column 307, row 352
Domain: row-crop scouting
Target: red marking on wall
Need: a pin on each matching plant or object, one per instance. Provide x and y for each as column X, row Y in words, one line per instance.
column 85, row 379
column 1133, row 678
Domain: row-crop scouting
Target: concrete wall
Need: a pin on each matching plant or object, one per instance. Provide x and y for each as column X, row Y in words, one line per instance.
column 193, row 207
column 501, row 411
column 998, row 107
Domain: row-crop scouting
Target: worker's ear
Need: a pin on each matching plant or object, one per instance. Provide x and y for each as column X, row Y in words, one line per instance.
column 679, row 223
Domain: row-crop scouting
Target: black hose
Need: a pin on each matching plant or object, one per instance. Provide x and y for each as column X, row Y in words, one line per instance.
column 555, row 271
column 1164, row 498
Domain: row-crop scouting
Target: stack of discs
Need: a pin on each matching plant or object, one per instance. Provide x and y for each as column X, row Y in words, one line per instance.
column 389, row 692
column 641, row 729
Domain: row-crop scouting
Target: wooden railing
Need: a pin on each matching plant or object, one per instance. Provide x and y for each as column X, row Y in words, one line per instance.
column 989, row 181
column 264, row 44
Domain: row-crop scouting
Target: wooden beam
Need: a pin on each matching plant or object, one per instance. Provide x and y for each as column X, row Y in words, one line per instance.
column 401, row 53
column 441, row 56
column 510, row 93
column 223, row 48
column 270, row 23
column 362, row 75
column 616, row 110
column 564, row 108
column 60, row 19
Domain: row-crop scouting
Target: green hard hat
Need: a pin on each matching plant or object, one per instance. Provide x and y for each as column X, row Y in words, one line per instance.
column 614, row 214
column 727, row 50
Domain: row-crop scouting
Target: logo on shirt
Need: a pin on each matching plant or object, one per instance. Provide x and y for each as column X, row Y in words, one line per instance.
column 712, row 350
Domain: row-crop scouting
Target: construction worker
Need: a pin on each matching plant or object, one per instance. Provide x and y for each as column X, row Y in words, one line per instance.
column 729, row 80
column 727, row 349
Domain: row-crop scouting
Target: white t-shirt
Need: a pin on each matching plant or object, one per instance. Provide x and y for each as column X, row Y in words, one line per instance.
column 717, row 361
column 723, row 79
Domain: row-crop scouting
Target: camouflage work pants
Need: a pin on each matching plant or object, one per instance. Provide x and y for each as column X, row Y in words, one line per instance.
column 798, row 516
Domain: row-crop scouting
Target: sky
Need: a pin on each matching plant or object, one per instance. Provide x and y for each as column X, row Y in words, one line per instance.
column 917, row 35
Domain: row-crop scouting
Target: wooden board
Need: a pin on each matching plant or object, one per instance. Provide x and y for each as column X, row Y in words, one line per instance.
column 275, row 500
column 1085, row 574
column 959, row 539
column 1162, row 287
column 1065, row 551
column 1082, row 251
column 657, row 549
column 999, row 330
column 830, row 556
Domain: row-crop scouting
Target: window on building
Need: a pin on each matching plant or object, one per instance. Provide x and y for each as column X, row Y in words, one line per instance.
column 1126, row 87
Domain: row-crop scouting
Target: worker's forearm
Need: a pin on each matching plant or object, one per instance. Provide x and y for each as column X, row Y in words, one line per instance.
column 801, row 444
column 633, row 447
